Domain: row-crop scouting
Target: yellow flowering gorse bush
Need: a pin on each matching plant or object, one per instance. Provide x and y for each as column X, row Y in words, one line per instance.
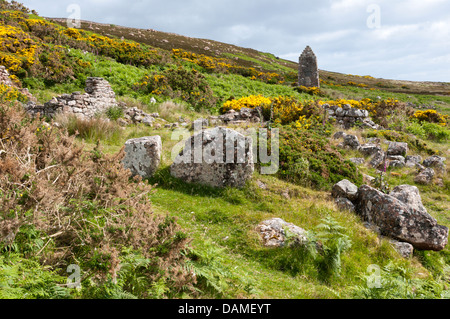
column 8, row 93
column 251, row 102
column 30, row 46
column 309, row 90
column 25, row 53
column 286, row 109
column 282, row 109
column 17, row 49
column 431, row 116
column 221, row 65
column 122, row 51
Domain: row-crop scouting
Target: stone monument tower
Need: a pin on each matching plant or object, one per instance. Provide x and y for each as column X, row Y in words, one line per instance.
column 308, row 71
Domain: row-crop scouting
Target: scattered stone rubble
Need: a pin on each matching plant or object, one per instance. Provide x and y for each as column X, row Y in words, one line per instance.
column 244, row 115
column 135, row 115
column 348, row 117
column 351, row 141
column 395, row 157
column 413, row 160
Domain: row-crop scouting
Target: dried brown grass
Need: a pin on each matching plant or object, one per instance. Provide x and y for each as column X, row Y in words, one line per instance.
column 84, row 204
column 91, row 129
column 171, row 111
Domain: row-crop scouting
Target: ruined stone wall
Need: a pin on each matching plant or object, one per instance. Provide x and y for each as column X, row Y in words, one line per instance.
column 4, row 76
column 98, row 97
column 308, row 72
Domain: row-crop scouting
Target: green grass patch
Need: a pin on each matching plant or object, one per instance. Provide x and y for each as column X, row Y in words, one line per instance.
column 226, row 86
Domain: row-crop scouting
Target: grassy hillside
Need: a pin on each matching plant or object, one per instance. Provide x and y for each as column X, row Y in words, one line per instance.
column 253, row 58
column 68, row 200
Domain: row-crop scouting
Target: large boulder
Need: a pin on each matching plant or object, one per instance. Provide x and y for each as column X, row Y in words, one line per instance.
column 409, row 195
column 413, row 160
column 276, row 231
column 217, row 157
column 436, row 162
column 345, row 189
column 369, row 149
column 143, row 155
column 351, row 141
column 378, row 159
column 425, row 176
column 399, row 220
column 397, row 148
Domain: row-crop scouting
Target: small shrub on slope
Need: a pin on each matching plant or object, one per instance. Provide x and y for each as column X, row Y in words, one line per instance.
column 280, row 109
column 251, row 102
column 431, row 116
column 188, row 85
column 308, row 158
column 8, row 93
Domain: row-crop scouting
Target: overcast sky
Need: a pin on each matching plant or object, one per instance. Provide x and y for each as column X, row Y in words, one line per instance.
column 404, row 39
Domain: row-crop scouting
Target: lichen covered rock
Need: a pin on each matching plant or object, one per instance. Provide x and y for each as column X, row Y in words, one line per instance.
column 217, row 157
column 399, row 220
column 143, row 155
column 276, row 231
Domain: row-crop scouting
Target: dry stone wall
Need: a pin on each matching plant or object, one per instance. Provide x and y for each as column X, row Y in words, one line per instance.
column 98, row 97
column 4, row 76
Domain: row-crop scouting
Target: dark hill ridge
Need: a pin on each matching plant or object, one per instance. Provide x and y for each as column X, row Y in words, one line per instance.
column 251, row 58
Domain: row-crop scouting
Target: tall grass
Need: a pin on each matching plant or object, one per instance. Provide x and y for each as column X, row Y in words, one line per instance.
column 171, row 111
column 91, row 130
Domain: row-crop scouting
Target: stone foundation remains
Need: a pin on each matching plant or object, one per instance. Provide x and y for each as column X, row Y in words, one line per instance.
column 98, row 97
column 348, row 117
